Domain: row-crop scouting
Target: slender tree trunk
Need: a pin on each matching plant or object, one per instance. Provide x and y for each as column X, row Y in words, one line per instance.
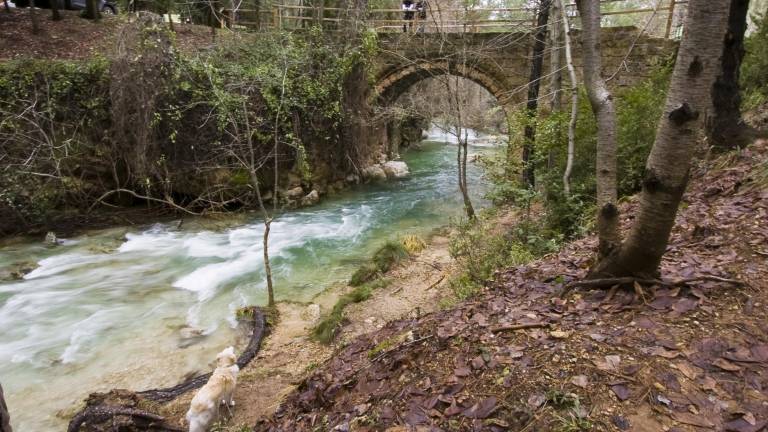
column 726, row 129
column 574, row 100
column 666, row 172
column 33, row 17
column 170, row 21
column 5, row 418
column 534, row 83
column 602, row 105
column 55, row 13
column 92, row 10
column 7, row 6
column 555, row 57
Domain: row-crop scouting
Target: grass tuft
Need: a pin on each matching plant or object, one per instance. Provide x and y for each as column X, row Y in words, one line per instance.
column 326, row 331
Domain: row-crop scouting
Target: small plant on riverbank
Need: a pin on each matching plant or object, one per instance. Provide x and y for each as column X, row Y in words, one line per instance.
column 413, row 244
column 327, row 329
column 386, row 257
column 483, row 246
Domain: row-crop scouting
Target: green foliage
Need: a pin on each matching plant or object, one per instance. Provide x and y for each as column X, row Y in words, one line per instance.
column 482, row 247
column 327, row 328
column 387, row 256
column 638, row 109
column 754, row 79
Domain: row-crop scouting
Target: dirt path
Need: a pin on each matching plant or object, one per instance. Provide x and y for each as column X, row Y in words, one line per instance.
column 289, row 354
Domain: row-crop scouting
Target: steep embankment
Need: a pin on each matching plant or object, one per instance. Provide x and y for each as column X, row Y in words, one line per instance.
column 690, row 356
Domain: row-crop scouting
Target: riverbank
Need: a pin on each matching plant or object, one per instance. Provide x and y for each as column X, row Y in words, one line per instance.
column 289, row 353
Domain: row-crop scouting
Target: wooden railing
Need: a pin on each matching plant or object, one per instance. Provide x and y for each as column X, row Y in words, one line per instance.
column 664, row 20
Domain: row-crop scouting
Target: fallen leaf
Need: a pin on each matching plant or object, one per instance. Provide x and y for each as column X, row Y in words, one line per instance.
column 462, row 372
column 536, row 400
column 611, row 362
column 621, row 391
column 663, row 352
column 580, row 381
column 726, row 365
column 691, row 419
column 481, row 409
column 687, row 370
column 559, row 334
column 741, row 425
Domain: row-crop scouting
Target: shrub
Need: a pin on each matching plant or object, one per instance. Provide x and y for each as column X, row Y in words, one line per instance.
column 754, row 79
column 390, row 254
column 326, row 330
column 365, row 273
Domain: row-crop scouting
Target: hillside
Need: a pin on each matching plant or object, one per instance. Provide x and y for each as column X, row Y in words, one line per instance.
column 682, row 356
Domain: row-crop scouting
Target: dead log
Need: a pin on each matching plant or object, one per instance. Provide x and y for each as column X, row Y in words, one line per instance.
column 259, row 324
column 119, row 407
column 132, row 418
column 5, row 418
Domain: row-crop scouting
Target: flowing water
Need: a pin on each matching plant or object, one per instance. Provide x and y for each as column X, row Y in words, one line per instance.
column 112, row 308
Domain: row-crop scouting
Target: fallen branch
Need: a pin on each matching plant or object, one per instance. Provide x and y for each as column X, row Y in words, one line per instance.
column 99, row 414
column 610, row 282
column 170, row 393
column 513, row 327
column 144, row 197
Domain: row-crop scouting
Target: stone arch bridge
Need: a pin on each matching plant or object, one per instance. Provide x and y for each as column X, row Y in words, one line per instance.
column 500, row 62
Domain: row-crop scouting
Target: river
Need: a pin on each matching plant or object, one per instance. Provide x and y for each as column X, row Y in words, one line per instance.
column 113, row 308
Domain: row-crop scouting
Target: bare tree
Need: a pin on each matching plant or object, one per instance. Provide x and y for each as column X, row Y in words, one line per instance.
column 574, row 99
column 727, row 129
column 5, row 418
column 534, row 83
column 33, row 17
column 602, row 105
column 55, row 13
column 92, row 10
column 666, row 172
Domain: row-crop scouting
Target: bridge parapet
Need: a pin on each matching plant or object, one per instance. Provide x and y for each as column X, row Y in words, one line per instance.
column 500, row 62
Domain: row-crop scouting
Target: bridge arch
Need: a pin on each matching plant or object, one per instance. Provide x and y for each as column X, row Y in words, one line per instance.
column 391, row 85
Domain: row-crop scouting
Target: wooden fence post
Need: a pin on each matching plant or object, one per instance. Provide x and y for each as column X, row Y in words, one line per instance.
column 670, row 18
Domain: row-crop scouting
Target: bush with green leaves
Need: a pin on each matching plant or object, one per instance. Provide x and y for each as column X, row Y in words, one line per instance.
column 754, row 78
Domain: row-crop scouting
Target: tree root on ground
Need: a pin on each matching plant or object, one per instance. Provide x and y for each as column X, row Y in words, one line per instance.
column 611, row 282
column 118, row 409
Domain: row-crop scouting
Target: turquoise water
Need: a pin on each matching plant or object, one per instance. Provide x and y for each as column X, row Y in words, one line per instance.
column 109, row 308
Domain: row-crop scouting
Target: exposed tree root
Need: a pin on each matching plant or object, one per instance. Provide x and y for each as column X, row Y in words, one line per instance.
column 134, row 417
column 99, row 411
column 611, row 282
column 170, row 393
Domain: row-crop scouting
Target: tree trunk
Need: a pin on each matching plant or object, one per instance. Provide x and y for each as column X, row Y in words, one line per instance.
column 5, row 418
column 7, row 6
column 33, row 17
column 92, row 9
column 666, row 172
column 726, row 129
column 534, row 83
column 555, row 57
column 574, row 100
column 55, row 13
column 602, row 105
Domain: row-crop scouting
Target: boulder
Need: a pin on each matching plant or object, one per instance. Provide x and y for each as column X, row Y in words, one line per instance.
column 311, row 314
column 396, row 169
column 374, row 173
column 295, row 193
column 312, row 198
column 353, row 178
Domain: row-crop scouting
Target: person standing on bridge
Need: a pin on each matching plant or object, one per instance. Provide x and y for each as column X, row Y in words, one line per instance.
column 421, row 11
column 407, row 15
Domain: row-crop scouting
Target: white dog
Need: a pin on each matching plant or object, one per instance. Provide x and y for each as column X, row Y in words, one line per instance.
column 220, row 388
